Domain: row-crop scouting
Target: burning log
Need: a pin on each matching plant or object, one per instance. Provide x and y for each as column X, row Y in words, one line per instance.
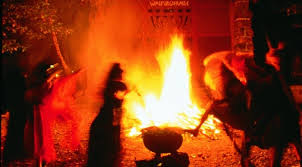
column 173, row 105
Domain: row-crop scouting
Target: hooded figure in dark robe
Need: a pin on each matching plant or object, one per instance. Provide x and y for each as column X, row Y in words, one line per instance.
column 104, row 142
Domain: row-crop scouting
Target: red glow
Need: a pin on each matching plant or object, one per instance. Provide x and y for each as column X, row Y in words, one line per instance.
column 58, row 105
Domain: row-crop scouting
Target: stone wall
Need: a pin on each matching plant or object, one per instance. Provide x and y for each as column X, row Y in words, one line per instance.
column 241, row 30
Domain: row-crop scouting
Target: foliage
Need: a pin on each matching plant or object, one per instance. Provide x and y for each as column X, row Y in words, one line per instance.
column 24, row 21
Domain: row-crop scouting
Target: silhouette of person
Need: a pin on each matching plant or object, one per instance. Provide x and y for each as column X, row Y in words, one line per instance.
column 14, row 91
column 43, row 147
column 277, row 46
column 277, row 33
column 104, row 142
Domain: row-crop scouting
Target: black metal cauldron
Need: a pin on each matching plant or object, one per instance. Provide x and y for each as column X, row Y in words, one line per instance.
column 162, row 140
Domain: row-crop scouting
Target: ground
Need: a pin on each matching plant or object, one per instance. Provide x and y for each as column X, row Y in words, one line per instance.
column 202, row 151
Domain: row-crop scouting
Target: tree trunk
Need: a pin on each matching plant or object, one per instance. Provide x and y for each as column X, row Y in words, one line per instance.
column 59, row 53
column 58, row 50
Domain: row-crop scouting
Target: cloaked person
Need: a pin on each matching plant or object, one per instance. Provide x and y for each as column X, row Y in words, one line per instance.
column 104, row 142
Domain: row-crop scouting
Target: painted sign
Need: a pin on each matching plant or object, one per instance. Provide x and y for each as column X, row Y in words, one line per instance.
column 166, row 3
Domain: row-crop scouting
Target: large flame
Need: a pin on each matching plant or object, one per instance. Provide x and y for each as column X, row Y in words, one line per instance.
column 174, row 105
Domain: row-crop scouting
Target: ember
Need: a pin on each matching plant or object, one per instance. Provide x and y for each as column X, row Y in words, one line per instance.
column 175, row 106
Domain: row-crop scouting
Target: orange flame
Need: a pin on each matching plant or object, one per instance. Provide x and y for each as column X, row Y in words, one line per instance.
column 174, row 106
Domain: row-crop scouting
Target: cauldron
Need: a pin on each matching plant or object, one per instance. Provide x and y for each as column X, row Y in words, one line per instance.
column 162, row 140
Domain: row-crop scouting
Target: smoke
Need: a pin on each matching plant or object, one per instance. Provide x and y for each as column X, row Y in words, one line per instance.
column 116, row 34
column 119, row 31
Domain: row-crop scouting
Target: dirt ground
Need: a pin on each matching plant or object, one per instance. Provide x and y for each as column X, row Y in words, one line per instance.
column 202, row 151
